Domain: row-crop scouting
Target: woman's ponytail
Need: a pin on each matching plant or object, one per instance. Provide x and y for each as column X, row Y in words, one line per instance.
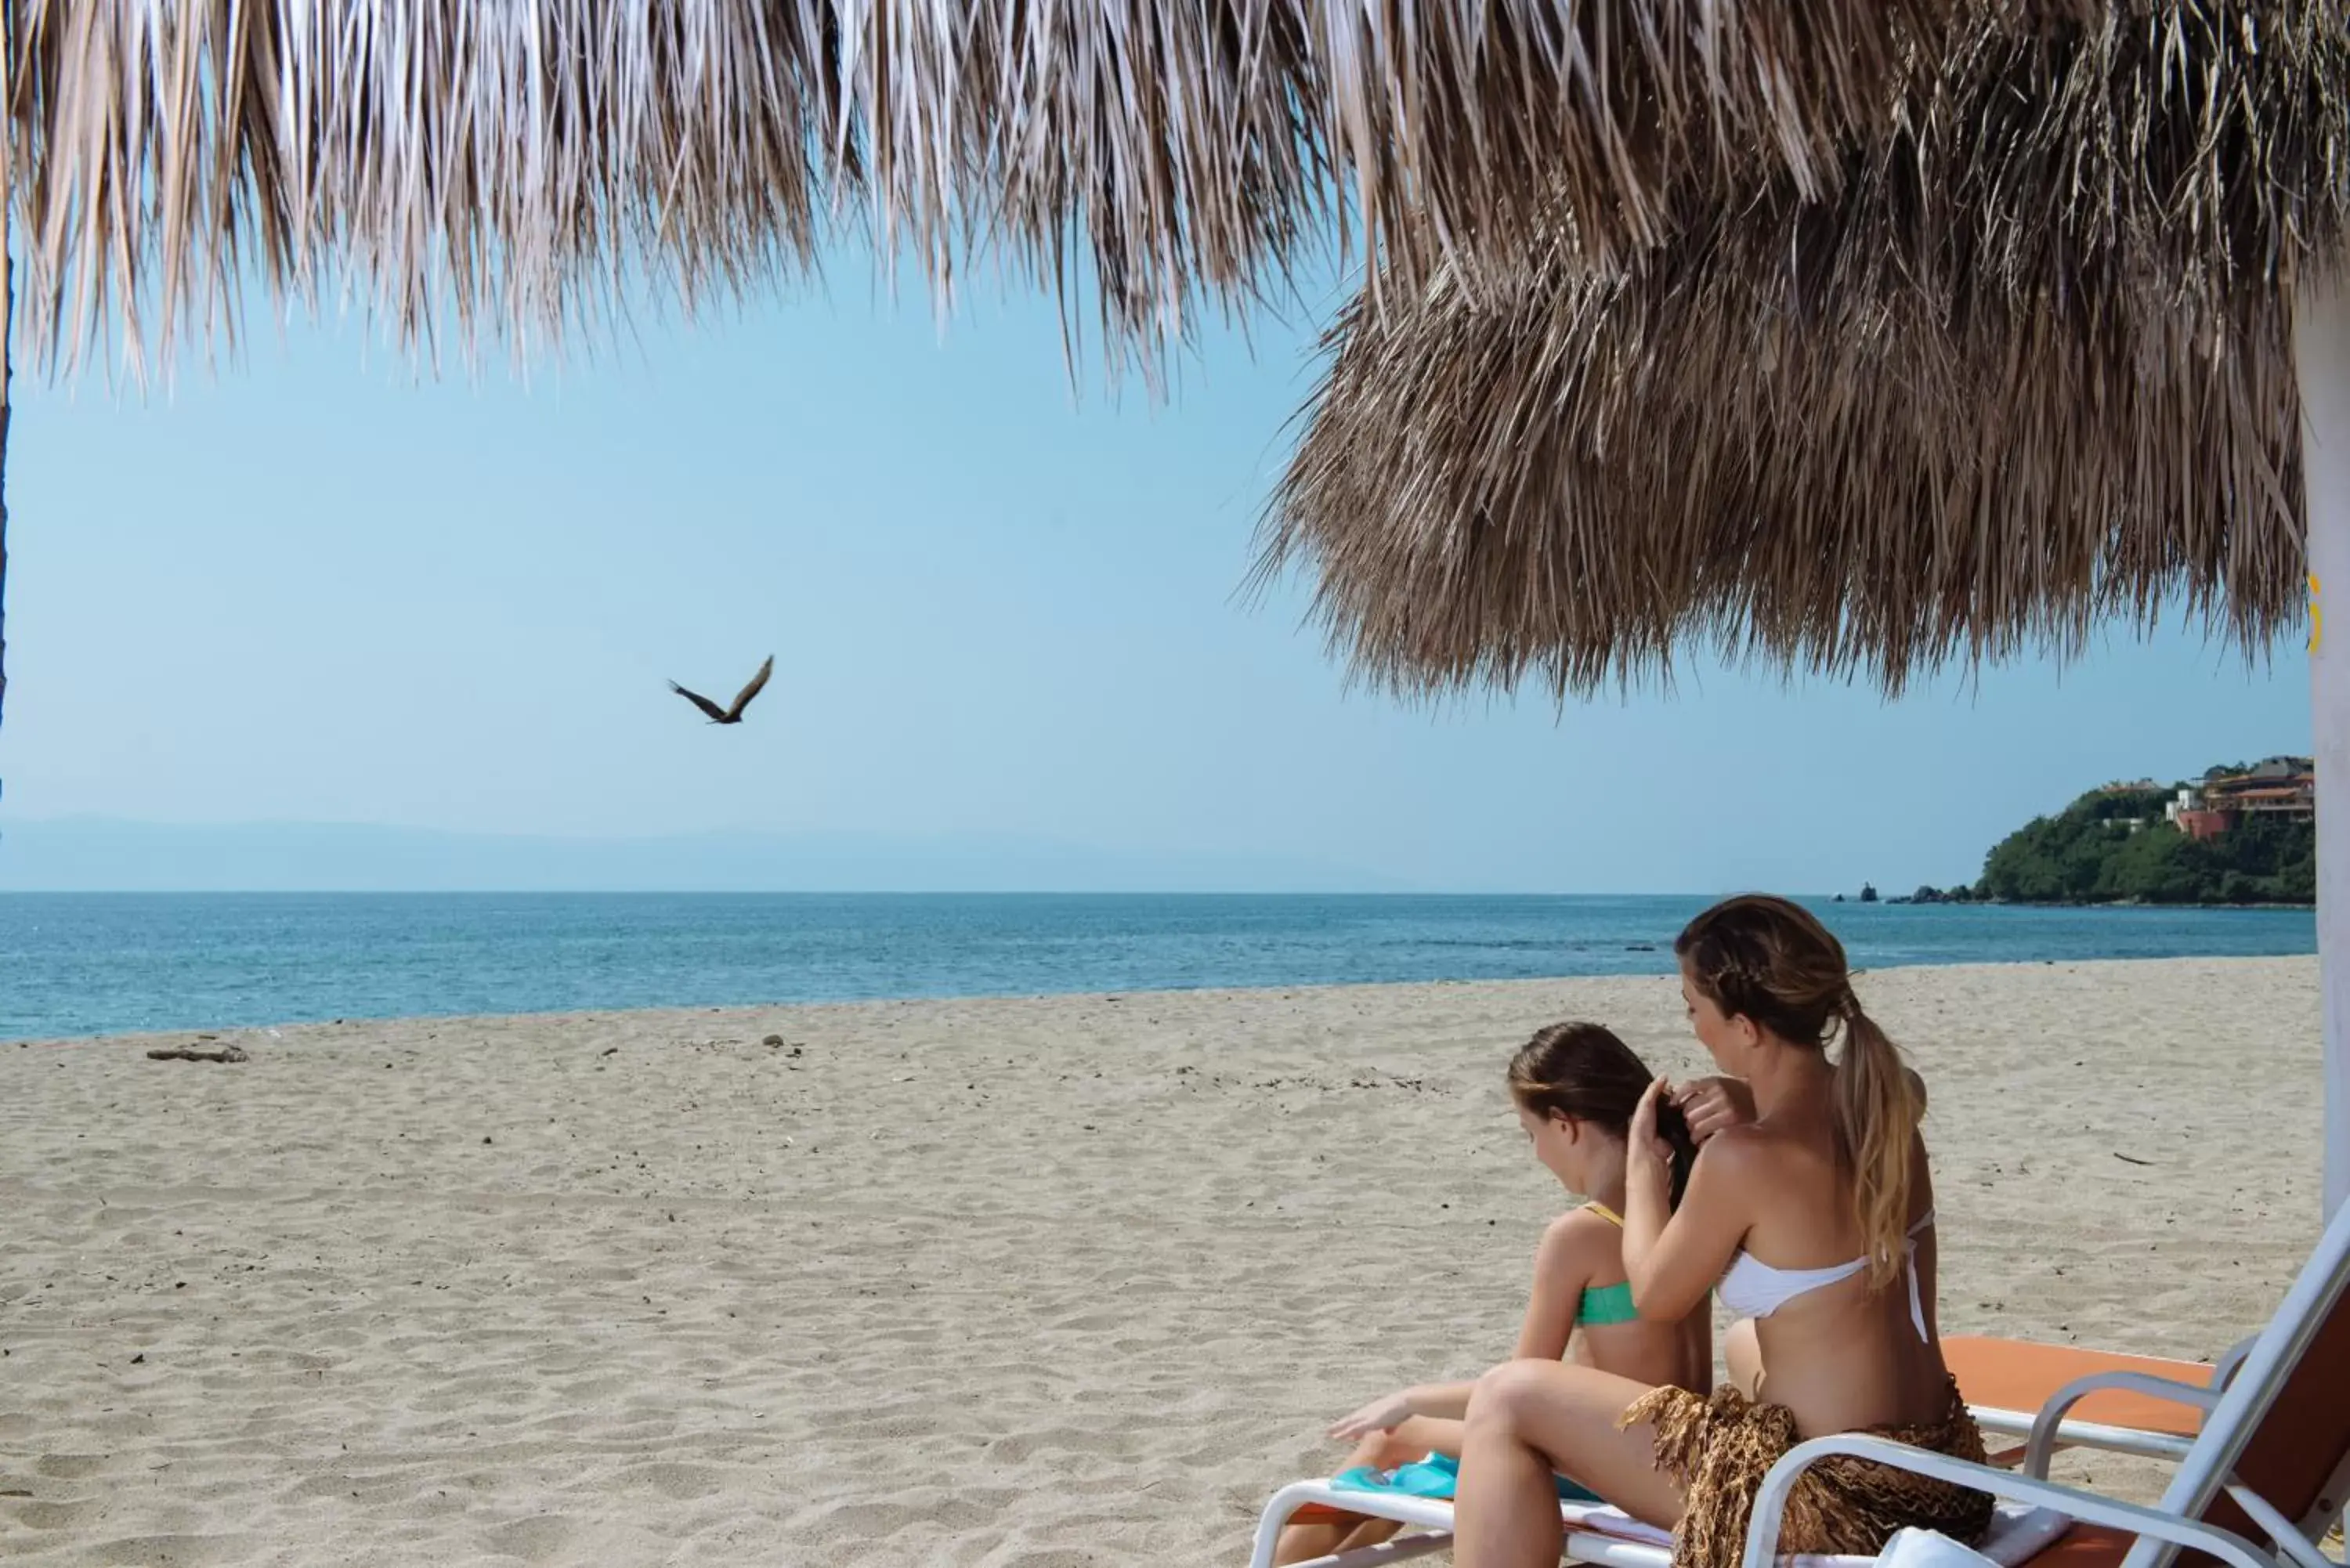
column 1876, row 1112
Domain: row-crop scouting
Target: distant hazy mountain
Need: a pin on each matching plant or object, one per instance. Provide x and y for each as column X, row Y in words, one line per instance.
column 91, row 854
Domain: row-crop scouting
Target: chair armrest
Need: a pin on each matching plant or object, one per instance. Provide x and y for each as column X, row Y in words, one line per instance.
column 2083, row 1507
column 2042, row 1444
column 2224, row 1372
column 2283, row 1531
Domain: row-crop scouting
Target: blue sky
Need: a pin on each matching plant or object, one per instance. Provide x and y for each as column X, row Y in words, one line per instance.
column 311, row 587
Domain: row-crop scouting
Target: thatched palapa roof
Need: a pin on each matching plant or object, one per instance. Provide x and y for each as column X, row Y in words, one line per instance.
column 501, row 165
column 2027, row 368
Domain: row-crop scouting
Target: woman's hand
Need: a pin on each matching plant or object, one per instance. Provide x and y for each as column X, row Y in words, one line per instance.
column 1641, row 1139
column 1709, row 1104
column 1379, row 1416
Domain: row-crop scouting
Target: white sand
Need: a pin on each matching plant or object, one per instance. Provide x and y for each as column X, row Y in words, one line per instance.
column 1046, row 1282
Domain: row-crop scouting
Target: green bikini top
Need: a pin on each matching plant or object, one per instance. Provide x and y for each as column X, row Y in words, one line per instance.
column 1608, row 1303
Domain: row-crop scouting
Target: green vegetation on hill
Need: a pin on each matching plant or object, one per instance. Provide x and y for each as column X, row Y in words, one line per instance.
column 2114, row 846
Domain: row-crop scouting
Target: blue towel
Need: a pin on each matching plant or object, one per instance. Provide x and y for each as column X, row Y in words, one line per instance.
column 1436, row 1476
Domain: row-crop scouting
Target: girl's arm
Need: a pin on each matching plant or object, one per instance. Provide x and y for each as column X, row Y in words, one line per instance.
column 1674, row 1257
column 1443, row 1401
column 1563, row 1266
column 1563, row 1263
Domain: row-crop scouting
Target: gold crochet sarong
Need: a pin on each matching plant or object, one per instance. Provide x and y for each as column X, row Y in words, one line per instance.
column 1718, row 1449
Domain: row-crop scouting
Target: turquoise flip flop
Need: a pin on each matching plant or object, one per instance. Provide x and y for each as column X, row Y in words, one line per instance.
column 1436, row 1476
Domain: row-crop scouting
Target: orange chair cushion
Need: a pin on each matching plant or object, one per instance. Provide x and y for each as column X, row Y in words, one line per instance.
column 2018, row 1375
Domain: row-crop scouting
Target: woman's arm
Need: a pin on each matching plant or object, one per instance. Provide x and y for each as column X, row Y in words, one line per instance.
column 1709, row 1104
column 1674, row 1257
column 1563, row 1266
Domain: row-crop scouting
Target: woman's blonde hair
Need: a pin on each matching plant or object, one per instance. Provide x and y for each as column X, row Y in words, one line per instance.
column 1773, row 962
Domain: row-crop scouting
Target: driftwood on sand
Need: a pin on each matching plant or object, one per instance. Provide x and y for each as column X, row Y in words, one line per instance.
column 198, row 1054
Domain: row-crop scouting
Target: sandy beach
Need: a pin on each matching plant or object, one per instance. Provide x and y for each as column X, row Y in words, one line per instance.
column 1041, row 1282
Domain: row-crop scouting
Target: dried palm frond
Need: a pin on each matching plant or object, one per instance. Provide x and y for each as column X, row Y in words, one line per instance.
column 1581, row 489
column 2029, row 369
column 508, row 165
column 2190, row 150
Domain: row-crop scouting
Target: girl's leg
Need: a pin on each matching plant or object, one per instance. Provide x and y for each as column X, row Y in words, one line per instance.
column 1382, row 1451
column 1530, row 1418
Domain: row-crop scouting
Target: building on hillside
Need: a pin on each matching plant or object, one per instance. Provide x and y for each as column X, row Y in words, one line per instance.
column 2200, row 824
column 2276, row 786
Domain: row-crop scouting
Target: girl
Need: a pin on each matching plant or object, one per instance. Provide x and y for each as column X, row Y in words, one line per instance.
column 1575, row 1087
column 1808, row 1217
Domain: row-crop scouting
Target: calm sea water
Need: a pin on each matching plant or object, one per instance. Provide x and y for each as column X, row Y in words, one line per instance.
column 74, row 964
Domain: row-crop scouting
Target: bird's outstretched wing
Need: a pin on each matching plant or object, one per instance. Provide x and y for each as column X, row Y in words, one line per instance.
column 717, row 714
column 742, row 698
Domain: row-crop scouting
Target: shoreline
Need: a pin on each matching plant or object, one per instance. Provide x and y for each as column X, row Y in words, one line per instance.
column 244, row 1033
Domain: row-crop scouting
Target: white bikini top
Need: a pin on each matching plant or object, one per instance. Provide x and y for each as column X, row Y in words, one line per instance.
column 1753, row 1288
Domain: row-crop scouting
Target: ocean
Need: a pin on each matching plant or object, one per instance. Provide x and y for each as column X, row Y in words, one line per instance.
column 82, row 964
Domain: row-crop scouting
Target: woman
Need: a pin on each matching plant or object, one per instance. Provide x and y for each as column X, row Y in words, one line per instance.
column 1575, row 1087
column 1808, row 1219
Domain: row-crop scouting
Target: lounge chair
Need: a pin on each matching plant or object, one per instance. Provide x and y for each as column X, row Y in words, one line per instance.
column 2270, row 1463
column 1597, row 1534
column 2099, row 1395
column 2269, row 1458
column 1594, row 1533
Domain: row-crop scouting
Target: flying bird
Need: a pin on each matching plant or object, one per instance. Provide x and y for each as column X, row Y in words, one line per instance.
column 742, row 698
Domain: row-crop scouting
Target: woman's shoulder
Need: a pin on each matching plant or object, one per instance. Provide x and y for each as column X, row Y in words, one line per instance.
column 1757, row 1153
column 1744, row 1146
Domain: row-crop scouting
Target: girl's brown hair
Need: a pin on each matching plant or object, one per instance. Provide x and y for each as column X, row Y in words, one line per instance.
column 1583, row 1072
column 1773, row 962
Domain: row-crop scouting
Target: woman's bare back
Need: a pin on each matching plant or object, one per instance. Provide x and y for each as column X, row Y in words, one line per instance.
column 1845, row 1355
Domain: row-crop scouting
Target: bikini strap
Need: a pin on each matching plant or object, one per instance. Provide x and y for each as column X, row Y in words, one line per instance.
column 1909, row 1265
column 1909, row 1262
column 1606, row 1213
